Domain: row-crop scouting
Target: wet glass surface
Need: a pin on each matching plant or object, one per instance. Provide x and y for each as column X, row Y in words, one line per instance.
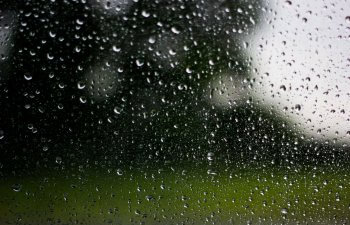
column 174, row 112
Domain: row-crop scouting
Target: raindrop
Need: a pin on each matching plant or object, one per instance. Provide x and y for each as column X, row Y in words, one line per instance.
column 81, row 85
column 284, row 211
column 139, row 62
column 347, row 19
column 58, row 160
column 52, row 34
column 79, row 22
column 2, row 134
column 151, row 40
column 82, row 99
column 50, row 57
column 288, row 2
column 149, row 197
column 115, row 49
column 172, row 52
column 210, row 156
column 175, row 30
column 145, row 13
column 28, row 76
column 119, row 172
column 188, row 70
column 117, row 110
column 16, row 187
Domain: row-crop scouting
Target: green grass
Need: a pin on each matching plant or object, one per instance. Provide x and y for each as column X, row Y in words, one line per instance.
column 175, row 195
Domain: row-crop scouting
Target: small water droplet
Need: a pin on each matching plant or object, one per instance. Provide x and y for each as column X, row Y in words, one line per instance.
column 210, row 156
column 139, row 62
column 175, row 30
column 172, row 52
column 119, row 172
column 117, row 110
column 288, row 2
column 81, row 85
column 284, row 211
column 83, row 99
column 58, row 160
column 347, row 19
column 188, row 70
column 151, row 40
column 145, row 13
column 52, row 34
column 49, row 56
column 115, row 49
column 16, row 187
column 298, row 107
column 2, row 135
column 79, row 22
column 149, row 197
column 28, row 76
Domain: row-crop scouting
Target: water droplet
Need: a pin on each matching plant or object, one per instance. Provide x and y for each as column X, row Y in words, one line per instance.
column 117, row 110
column 180, row 87
column 52, row 34
column 172, row 52
column 81, row 85
column 83, row 99
column 298, row 107
column 175, row 30
column 139, row 62
column 347, row 19
column 284, row 211
column 49, row 56
column 2, row 135
column 79, row 22
column 188, row 70
column 16, row 187
column 145, row 13
column 119, row 172
column 58, row 160
column 288, row 2
column 115, row 49
column 28, row 76
column 149, row 197
column 210, row 156
column 151, row 40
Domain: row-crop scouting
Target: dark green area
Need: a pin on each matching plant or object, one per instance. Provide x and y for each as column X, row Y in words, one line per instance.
column 178, row 194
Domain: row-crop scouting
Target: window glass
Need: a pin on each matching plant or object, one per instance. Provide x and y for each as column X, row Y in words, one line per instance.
column 174, row 111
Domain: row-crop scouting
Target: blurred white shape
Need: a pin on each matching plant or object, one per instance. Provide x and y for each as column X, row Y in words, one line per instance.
column 7, row 25
column 302, row 54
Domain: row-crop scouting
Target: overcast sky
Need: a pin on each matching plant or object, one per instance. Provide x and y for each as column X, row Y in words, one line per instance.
column 302, row 52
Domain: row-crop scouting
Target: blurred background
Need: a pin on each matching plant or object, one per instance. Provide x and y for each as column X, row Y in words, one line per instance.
column 127, row 81
column 195, row 84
